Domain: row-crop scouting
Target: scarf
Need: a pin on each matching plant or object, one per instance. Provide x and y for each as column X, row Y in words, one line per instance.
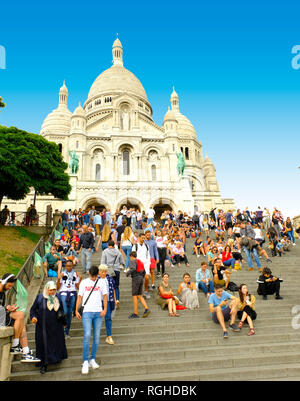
column 52, row 301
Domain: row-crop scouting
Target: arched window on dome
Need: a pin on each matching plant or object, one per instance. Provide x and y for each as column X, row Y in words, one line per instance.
column 187, row 153
column 126, row 166
column 98, row 172
column 77, row 144
column 153, row 173
column 60, row 147
column 181, row 148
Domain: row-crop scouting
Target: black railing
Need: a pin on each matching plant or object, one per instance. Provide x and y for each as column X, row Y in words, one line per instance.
column 23, row 219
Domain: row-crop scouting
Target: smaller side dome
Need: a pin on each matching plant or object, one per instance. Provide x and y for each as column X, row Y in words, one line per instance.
column 170, row 116
column 79, row 111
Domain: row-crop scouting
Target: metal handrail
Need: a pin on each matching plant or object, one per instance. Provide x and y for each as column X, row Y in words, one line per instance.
column 40, row 220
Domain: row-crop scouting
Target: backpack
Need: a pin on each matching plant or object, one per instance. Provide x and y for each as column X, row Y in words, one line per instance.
column 232, row 286
column 135, row 246
column 139, row 266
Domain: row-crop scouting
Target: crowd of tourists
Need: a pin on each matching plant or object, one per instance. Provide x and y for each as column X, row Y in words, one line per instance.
column 148, row 248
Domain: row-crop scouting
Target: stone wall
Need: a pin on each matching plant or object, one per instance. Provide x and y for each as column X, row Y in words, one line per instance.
column 6, row 334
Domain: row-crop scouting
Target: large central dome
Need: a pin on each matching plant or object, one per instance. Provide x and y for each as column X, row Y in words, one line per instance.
column 117, row 79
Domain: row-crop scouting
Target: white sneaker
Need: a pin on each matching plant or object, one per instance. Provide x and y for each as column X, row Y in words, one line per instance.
column 93, row 364
column 85, row 368
column 294, row 244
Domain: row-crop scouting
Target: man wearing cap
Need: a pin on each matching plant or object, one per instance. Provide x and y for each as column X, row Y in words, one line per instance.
column 15, row 319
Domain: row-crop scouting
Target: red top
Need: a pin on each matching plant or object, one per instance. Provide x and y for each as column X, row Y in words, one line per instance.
column 224, row 257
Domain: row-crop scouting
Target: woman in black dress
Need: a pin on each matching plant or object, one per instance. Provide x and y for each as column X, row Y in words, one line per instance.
column 49, row 331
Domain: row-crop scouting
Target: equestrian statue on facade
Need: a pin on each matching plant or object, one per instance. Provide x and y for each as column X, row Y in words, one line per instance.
column 74, row 162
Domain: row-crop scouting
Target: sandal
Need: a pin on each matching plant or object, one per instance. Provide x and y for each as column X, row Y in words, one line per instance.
column 176, row 314
column 171, row 314
column 241, row 324
column 251, row 332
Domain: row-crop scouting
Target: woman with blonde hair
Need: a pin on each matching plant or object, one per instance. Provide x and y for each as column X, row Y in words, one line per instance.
column 104, row 237
column 126, row 244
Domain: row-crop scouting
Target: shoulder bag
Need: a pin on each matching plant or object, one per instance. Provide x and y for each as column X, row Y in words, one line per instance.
column 81, row 309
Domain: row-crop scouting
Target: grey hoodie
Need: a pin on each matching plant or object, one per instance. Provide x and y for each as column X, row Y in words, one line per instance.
column 112, row 257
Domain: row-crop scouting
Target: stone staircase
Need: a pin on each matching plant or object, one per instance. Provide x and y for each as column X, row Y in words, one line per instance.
column 189, row 347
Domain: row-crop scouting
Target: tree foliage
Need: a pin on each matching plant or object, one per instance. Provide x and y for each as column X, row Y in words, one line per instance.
column 28, row 160
column 1, row 103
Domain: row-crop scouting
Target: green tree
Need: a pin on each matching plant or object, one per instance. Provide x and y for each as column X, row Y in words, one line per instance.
column 30, row 161
column 1, row 103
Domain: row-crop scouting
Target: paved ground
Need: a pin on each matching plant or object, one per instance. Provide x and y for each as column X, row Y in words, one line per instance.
column 190, row 347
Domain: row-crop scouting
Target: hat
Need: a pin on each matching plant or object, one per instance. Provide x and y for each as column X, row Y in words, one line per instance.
column 103, row 268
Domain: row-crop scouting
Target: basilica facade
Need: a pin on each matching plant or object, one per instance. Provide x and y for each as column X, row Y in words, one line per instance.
column 125, row 158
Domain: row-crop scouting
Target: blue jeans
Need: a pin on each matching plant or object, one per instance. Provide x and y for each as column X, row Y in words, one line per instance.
column 71, row 225
column 86, row 259
column 150, row 220
column 68, row 309
column 291, row 236
column 90, row 319
column 127, row 249
column 202, row 286
column 256, row 258
column 108, row 321
column 229, row 262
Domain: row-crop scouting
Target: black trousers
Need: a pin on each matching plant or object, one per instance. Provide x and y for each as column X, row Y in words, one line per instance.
column 178, row 259
column 250, row 312
column 162, row 253
column 269, row 288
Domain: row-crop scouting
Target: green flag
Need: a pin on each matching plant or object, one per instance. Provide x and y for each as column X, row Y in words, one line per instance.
column 22, row 297
column 37, row 268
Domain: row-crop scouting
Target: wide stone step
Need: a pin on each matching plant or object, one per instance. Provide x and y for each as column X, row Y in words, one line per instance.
column 107, row 355
column 198, row 362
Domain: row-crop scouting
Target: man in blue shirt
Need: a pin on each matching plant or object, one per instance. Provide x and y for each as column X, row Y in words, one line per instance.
column 220, row 312
column 98, row 223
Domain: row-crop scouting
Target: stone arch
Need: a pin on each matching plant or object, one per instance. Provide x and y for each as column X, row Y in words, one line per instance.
column 93, row 200
column 130, row 200
column 90, row 150
column 147, row 149
column 162, row 200
column 198, row 179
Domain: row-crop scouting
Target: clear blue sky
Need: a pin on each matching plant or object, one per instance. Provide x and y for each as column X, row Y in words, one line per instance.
column 230, row 63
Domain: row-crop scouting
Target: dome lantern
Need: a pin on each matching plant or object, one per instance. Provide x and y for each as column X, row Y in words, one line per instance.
column 63, row 95
column 117, row 51
column 174, row 100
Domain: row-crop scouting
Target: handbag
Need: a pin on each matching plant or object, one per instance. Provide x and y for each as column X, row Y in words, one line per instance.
column 61, row 317
column 81, row 309
column 110, row 269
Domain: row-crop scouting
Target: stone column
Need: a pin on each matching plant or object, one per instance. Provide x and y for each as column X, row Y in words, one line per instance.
column 6, row 335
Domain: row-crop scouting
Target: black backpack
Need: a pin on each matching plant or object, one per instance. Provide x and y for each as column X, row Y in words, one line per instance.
column 232, row 286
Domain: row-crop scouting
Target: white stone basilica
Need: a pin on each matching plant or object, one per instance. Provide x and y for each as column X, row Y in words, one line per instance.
column 125, row 158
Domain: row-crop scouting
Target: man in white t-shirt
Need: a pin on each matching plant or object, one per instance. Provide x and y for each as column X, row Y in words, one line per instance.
column 90, row 295
column 143, row 254
column 150, row 214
